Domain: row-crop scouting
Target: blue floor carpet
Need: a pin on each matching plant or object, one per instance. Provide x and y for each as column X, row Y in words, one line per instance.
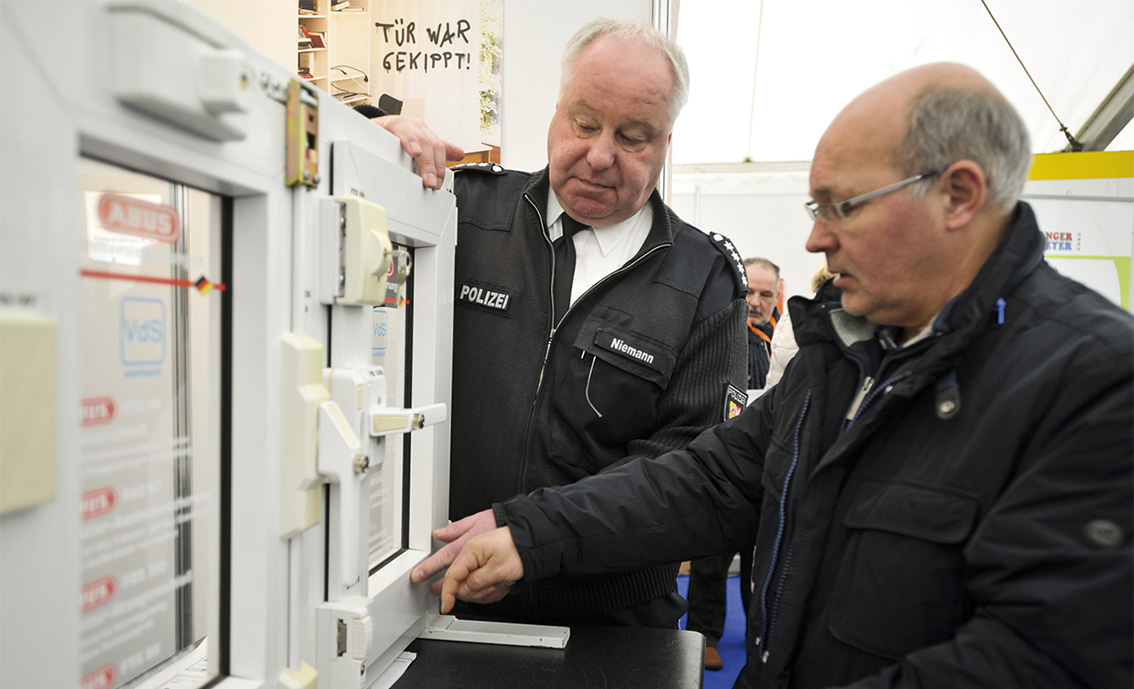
column 731, row 646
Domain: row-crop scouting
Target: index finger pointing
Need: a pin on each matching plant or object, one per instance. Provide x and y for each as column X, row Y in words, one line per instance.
column 453, row 580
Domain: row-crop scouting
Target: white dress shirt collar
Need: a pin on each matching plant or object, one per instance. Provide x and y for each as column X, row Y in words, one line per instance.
column 607, row 239
column 600, row 252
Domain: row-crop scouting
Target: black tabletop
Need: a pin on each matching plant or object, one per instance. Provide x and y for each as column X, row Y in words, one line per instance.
column 608, row 657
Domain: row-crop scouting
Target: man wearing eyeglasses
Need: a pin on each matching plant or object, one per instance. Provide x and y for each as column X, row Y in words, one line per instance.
column 940, row 485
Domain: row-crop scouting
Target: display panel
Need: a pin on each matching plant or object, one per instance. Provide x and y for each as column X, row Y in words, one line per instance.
column 149, row 423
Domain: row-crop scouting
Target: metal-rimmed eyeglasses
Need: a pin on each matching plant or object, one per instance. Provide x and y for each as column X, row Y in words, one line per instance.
column 830, row 212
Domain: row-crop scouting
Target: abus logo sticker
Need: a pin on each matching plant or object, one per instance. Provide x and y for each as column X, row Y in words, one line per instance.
column 96, row 410
column 101, row 678
column 133, row 216
column 98, row 592
column 141, row 331
column 96, row 503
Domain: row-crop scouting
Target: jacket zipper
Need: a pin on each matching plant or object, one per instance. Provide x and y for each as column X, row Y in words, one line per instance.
column 546, row 352
column 862, row 392
column 868, row 391
column 768, row 613
column 554, row 329
column 868, row 396
column 554, row 326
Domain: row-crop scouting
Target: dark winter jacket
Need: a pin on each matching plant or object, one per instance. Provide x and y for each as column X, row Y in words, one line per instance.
column 759, row 354
column 639, row 365
column 969, row 525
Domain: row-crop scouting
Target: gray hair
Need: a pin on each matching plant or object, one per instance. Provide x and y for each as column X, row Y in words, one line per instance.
column 760, row 261
column 950, row 124
column 632, row 30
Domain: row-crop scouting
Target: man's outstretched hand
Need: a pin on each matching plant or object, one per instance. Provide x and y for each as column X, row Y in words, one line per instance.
column 482, row 561
column 428, row 150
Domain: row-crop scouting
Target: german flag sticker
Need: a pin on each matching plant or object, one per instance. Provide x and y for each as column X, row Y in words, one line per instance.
column 203, row 286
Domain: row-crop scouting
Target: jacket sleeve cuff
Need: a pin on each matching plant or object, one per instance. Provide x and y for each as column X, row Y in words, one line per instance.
column 500, row 515
column 526, row 523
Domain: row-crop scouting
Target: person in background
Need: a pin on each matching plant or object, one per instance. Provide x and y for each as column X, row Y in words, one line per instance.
column 784, row 346
column 591, row 323
column 708, row 576
column 942, row 483
column 763, row 293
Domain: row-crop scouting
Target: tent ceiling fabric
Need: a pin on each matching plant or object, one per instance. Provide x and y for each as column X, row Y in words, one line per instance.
column 768, row 76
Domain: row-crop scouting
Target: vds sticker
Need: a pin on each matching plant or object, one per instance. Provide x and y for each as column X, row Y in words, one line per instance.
column 141, row 331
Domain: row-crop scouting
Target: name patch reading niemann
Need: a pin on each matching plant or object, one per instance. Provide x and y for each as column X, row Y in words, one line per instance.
column 636, row 351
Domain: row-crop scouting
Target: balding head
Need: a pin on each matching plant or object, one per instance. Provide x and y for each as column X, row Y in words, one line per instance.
column 956, row 155
column 937, row 114
column 941, row 75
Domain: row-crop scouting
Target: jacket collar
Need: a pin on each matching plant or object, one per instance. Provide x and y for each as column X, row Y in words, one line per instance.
column 1019, row 252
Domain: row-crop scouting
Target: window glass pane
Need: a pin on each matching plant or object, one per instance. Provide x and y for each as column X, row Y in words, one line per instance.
column 386, row 475
column 149, row 425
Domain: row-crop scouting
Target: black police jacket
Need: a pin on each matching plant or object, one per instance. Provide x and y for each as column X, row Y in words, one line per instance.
column 639, row 365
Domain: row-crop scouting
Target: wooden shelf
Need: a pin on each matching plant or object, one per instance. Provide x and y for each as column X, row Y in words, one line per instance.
column 344, row 43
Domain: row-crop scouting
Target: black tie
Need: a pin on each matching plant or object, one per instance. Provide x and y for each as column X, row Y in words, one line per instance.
column 565, row 265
